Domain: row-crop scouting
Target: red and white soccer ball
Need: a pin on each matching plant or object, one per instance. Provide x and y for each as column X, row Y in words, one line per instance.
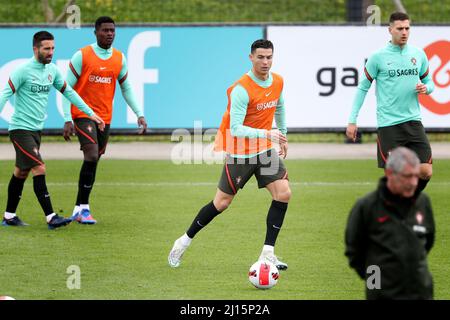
column 6, row 298
column 263, row 274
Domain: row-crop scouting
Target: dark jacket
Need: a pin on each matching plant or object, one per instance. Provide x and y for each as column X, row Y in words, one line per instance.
column 396, row 235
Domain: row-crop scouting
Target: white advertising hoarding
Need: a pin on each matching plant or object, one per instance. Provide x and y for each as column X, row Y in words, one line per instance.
column 322, row 65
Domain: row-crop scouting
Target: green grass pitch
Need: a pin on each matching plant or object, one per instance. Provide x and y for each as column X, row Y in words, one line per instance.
column 143, row 206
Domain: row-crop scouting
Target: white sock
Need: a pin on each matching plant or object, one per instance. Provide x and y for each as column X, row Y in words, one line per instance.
column 268, row 249
column 76, row 209
column 85, row 206
column 50, row 216
column 9, row 215
column 185, row 240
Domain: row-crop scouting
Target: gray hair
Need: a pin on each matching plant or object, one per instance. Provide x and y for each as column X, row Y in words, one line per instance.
column 399, row 157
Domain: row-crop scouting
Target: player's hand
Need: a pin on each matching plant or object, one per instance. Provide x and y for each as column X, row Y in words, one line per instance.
column 421, row 88
column 68, row 130
column 142, row 125
column 99, row 121
column 351, row 131
column 275, row 135
column 283, row 150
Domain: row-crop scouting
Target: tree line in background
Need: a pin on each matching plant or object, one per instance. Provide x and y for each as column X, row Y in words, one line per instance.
column 211, row 11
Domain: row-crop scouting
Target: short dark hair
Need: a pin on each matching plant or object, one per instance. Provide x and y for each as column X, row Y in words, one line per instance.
column 41, row 36
column 261, row 43
column 398, row 16
column 104, row 19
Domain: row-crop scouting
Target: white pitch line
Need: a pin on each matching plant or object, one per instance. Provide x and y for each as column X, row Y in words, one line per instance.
column 200, row 184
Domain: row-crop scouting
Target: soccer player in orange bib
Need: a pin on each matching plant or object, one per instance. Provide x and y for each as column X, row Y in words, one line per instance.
column 93, row 73
column 246, row 136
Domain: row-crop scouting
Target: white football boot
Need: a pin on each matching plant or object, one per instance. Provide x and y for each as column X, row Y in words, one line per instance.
column 176, row 254
column 271, row 257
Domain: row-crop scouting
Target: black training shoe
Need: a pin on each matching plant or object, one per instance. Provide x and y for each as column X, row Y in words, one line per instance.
column 14, row 222
column 57, row 222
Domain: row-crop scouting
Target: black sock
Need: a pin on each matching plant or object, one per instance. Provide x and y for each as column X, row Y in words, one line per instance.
column 86, row 181
column 421, row 185
column 204, row 216
column 40, row 189
column 94, row 172
column 274, row 221
column 15, row 189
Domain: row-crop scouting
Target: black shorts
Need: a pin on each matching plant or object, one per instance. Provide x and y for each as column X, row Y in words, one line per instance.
column 27, row 144
column 410, row 134
column 89, row 133
column 267, row 168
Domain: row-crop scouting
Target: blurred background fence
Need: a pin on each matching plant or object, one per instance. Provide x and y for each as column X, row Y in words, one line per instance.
column 170, row 23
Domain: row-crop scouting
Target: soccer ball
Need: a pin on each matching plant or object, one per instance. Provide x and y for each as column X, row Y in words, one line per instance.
column 263, row 274
column 6, row 298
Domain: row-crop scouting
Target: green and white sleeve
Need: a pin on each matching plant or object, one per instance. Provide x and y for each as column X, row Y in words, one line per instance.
column 425, row 76
column 71, row 94
column 238, row 110
column 127, row 90
column 280, row 115
column 14, row 83
column 370, row 73
column 73, row 74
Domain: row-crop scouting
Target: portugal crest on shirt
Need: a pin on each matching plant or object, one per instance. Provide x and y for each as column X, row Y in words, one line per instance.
column 413, row 60
column 50, row 78
column 419, row 217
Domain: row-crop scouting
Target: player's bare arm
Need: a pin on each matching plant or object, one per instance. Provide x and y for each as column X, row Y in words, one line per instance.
column 421, row 88
column 283, row 150
column 351, row 131
column 275, row 135
column 142, row 125
column 68, row 130
column 99, row 121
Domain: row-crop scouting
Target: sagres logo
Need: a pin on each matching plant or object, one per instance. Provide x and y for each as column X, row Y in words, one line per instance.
column 266, row 105
column 439, row 56
column 99, row 79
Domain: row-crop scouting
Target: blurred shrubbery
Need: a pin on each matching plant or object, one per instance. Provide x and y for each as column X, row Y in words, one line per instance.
column 210, row 11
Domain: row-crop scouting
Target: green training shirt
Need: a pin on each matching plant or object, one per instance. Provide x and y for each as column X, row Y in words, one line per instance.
column 31, row 82
column 397, row 70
